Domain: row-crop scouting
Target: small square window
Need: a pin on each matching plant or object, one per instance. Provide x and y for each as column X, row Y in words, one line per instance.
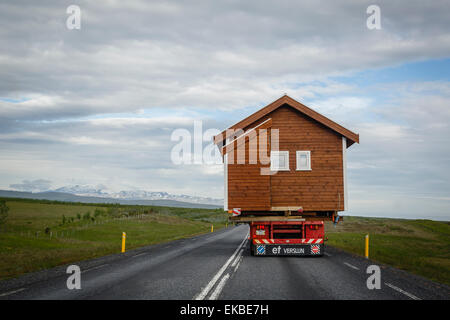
column 279, row 160
column 303, row 160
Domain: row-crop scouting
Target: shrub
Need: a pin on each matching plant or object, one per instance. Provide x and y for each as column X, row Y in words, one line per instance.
column 98, row 212
column 113, row 211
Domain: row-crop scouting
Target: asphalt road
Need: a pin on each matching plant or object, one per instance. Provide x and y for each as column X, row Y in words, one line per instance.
column 219, row 266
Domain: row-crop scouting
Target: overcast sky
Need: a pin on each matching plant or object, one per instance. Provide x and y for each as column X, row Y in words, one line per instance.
column 97, row 106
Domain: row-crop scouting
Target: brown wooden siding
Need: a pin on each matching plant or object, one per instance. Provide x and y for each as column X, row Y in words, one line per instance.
column 321, row 189
column 247, row 188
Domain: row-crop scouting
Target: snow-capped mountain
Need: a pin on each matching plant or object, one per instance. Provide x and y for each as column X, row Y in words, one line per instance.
column 82, row 190
column 101, row 191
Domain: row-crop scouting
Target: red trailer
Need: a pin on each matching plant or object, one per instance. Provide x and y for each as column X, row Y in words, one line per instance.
column 286, row 235
column 289, row 237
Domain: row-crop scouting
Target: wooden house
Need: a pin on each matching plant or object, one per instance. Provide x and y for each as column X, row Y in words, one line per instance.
column 305, row 166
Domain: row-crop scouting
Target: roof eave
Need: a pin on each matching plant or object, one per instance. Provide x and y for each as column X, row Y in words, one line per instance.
column 351, row 136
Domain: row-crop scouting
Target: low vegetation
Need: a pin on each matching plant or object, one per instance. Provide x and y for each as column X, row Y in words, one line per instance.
column 3, row 212
column 418, row 246
column 39, row 234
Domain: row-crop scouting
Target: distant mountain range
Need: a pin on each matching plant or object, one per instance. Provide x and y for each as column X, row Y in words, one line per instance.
column 100, row 191
column 92, row 195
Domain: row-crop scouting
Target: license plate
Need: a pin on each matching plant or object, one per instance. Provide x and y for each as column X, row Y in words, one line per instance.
column 288, row 250
column 260, row 232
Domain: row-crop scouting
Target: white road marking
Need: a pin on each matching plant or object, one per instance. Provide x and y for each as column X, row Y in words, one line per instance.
column 351, row 266
column 327, row 254
column 410, row 295
column 237, row 258
column 238, row 264
column 219, row 287
column 93, row 268
column 213, row 281
column 11, row 292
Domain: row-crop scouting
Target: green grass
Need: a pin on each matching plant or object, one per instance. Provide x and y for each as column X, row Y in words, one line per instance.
column 418, row 246
column 26, row 247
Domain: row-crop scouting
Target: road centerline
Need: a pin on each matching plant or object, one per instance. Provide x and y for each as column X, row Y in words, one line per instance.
column 219, row 287
column 238, row 264
column 237, row 258
column 216, row 277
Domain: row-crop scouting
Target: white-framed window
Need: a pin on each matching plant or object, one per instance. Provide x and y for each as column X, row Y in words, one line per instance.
column 279, row 160
column 303, row 160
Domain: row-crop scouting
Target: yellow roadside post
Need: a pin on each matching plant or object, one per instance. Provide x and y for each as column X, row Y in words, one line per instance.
column 367, row 247
column 212, row 228
column 124, row 237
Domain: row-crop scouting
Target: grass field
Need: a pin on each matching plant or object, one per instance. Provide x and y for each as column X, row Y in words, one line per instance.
column 41, row 234
column 418, row 246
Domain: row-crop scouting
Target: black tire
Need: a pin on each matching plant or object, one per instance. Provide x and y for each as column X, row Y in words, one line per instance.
column 252, row 249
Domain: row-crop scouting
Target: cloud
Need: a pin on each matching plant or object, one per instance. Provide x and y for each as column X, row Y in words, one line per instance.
column 98, row 105
column 121, row 153
column 404, row 151
column 228, row 55
column 32, row 186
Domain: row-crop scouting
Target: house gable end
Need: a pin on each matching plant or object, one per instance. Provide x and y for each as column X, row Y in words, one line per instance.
column 255, row 118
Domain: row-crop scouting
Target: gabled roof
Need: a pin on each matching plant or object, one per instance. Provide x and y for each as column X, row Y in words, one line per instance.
column 286, row 100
